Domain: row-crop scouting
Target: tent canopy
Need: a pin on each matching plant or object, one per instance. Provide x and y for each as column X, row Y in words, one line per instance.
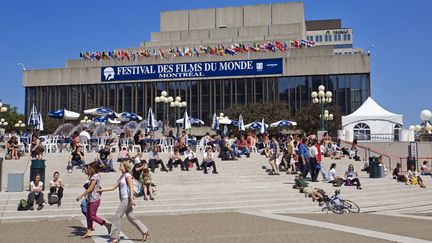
column 370, row 110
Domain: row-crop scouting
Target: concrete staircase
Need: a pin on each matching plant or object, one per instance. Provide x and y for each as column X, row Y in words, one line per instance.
column 240, row 185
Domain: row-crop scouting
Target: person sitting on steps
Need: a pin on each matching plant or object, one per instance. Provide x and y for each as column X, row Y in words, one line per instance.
column 414, row 178
column 352, row 177
column 56, row 188
column 105, row 158
column 332, row 178
column 398, row 175
column 190, row 158
column 76, row 158
column 175, row 160
column 208, row 161
column 155, row 160
column 36, row 193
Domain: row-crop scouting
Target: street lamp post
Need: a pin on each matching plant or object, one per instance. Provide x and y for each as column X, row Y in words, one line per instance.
column 20, row 125
column 3, row 123
column 327, row 117
column 424, row 130
column 177, row 104
column 86, row 120
column 164, row 99
column 321, row 97
column 3, row 109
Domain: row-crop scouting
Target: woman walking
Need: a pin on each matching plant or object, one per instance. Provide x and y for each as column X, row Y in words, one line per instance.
column 127, row 201
column 93, row 197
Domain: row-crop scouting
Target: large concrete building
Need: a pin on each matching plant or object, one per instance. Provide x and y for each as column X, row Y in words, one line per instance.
column 212, row 83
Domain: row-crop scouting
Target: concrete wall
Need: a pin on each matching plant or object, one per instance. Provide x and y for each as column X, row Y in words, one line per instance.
column 174, row 20
column 256, row 15
column 230, row 17
column 398, row 150
column 297, row 62
column 252, row 15
column 202, row 19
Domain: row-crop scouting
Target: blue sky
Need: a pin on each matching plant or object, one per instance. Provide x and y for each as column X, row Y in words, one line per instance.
column 44, row 34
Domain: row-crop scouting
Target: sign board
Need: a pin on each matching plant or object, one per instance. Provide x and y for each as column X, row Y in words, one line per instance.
column 254, row 67
column 413, row 150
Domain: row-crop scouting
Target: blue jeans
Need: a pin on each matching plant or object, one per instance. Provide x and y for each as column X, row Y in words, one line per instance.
column 73, row 163
column 110, row 162
column 244, row 151
column 304, row 168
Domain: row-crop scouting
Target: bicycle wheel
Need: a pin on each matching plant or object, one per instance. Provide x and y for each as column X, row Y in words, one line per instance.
column 333, row 206
column 351, row 206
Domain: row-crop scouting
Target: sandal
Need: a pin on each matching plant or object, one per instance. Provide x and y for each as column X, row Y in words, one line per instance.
column 145, row 236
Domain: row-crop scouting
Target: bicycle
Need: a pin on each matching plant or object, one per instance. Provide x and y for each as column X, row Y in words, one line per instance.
column 338, row 205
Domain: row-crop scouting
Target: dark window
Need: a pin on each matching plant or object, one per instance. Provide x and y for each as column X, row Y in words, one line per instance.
column 362, row 131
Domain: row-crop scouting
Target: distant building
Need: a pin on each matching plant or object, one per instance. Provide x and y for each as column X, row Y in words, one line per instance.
column 243, row 78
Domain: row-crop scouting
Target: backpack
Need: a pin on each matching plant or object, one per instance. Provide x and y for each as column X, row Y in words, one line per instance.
column 52, row 198
column 137, row 187
column 413, row 180
column 23, row 205
column 339, row 183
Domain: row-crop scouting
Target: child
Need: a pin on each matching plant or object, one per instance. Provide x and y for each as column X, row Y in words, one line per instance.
column 146, row 181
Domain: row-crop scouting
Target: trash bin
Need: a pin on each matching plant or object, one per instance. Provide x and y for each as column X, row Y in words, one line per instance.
column 376, row 170
column 38, row 167
column 411, row 161
column 1, row 172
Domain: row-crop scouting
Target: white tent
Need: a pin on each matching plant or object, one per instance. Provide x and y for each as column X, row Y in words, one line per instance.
column 371, row 122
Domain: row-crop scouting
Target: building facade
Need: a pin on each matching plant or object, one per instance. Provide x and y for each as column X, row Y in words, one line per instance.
column 212, row 83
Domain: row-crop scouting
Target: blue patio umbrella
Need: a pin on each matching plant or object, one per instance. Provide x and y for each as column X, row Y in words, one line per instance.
column 283, row 123
column 192, row 120
column 64, row 114
column 100, row 111
column 241, row 125
column 234, row 122
column 129, row 116
column 101, row 119
column 186, row 123
column 255, row 125
column 263, row 128
column 225, row 131
column 215, row 123
column 33, row 117
column 151, row 121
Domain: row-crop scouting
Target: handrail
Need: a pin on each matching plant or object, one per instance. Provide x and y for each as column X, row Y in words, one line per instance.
column 368, row 151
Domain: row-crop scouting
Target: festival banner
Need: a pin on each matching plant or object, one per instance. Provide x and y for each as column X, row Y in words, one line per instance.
column 256, row 67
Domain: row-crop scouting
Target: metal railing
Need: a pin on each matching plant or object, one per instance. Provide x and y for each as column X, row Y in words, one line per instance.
column 368, row 151
column 377, row 137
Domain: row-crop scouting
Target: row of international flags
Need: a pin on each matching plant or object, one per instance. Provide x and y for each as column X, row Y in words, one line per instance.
column 220, row 50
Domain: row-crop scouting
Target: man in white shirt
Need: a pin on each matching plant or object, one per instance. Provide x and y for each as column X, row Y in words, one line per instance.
column 313, row 161
column 85, row 134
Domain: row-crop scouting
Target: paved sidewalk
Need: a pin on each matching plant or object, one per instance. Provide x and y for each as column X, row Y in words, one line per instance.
column 415, row 228
column 234, row 227
column 194, row 228
column 43, row 231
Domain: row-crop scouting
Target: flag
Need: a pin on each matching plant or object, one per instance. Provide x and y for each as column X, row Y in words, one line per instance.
column 230, row 52
column 195, row 51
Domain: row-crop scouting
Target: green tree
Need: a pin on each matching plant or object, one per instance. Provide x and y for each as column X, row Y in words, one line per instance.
column 11, row 116
column 270, row 111
column 308, row 119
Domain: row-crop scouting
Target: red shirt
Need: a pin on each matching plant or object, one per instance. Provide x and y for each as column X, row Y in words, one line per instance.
column 319, row 156
column 242, row 144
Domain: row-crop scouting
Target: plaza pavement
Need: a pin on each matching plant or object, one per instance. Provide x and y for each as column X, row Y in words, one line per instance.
column 187, row 202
